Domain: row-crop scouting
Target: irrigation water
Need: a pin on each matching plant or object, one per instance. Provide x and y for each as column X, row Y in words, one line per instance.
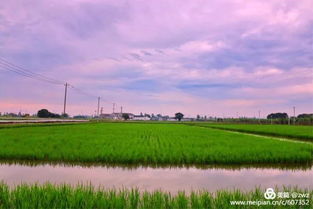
column 166, row 179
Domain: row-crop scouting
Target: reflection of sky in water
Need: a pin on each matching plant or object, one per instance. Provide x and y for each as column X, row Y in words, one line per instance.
column 168, row 179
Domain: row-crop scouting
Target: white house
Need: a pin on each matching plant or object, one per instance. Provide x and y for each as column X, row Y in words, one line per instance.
column 140, row 117
column 115, row 116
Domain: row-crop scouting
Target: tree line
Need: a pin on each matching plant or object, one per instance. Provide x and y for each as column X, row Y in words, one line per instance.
column 44, row 113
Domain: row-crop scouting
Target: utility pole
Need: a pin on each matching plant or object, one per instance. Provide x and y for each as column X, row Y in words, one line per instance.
column 260, row 116
column 98, row 106
column 294, row 115
column 101, row 110
column 65, row 95
column 121, row 109
column 113, row 107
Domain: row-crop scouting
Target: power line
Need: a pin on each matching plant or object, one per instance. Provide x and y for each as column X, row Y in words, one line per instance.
column 7, row 68
column 20, row 73
column 80, row 91
column 21, row 69
column 32, row 75
column 6, row 65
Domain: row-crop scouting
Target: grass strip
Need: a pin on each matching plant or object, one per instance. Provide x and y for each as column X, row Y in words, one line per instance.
column 86, row 197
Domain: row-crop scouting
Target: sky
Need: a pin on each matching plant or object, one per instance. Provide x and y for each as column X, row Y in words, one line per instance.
column 217, row 58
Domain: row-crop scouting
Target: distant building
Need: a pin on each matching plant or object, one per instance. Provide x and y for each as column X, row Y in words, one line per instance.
column 141, row 117
column 115, row 116
column 106, row 116
column 131, row 115
column 172, row 119
column 159, row 117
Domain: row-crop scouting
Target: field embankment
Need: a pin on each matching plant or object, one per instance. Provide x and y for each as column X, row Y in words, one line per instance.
column 133, row 143
column 304, row 133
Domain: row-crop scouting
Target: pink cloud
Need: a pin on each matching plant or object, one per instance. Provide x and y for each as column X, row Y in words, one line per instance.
column 198, row 58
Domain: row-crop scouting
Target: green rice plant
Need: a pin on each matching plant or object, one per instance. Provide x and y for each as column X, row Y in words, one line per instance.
column 304, row 133
column 86, row 197
column 152, row 144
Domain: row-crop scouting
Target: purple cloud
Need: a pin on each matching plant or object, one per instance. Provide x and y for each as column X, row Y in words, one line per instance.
column 159, row 56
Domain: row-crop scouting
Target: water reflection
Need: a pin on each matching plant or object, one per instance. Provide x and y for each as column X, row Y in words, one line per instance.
column 34, row 163
column 166, row 179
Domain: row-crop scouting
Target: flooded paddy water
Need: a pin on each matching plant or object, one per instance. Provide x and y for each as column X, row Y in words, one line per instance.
column 170, row 179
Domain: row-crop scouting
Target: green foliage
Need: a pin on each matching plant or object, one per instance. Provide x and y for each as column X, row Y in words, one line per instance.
column 86, row 197
column 125, row 116
column 44, row 113
column 286, row 131
column 277, row 115
column 141, row 143
column 64, row 115
column 305, row 115
column 179, row 116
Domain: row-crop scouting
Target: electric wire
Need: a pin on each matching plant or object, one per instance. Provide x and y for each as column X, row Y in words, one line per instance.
column 9, row 66
column 24, row 72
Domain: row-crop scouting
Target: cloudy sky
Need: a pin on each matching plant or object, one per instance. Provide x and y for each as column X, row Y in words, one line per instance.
column 209, row 57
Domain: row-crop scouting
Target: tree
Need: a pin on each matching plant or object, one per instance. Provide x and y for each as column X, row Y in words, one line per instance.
column 43, row 113
column 80, row 117
column 305, row 115
column 64, row 115
column 277, row 115
column 54, row 115
column 125, row 116
column 179, row 116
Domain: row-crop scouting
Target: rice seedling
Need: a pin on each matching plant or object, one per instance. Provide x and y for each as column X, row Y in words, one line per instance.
column 140, row 143
column 286, row 131
column 86, row 197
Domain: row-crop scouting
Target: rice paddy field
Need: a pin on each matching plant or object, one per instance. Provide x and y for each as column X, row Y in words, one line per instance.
column 288, row 131
column 140, row 143
column 86, row 197
column 148, row 144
